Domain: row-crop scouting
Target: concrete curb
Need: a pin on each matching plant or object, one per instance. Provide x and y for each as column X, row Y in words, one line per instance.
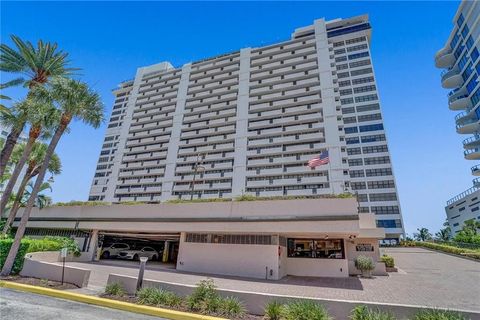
column 114, row 304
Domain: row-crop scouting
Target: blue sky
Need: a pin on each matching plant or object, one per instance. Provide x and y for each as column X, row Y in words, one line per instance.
column 109, row 40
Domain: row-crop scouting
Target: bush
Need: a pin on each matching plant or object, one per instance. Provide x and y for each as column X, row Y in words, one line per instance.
column 158, row 297
column 231, row 307
column 434, row 314
column 273, row 310
column 389, row 261
column 364, row 263
column 204, row 298
column 449, row 249
column 364, row 313
column 304, row 310
column 5, row 245
column 115, row 289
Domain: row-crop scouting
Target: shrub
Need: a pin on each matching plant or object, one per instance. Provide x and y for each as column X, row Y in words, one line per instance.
column 204, row 297
column 156, row 297
column 389, row 261
column 115, row 289
column 449, row 249
column 5, row 245
column 231, row 307
column 273, row 310
column 364, row 313
column 435, row 314
column 53, row 244
column 304, row 310
column 364, row 264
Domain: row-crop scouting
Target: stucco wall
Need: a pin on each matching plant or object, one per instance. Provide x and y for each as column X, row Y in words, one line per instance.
column 41, row 265
column 310, row 267
column 229, row 259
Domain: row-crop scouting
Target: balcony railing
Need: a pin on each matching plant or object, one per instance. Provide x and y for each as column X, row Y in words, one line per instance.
column 471, row 140
column 476, row 170
column 463, row 194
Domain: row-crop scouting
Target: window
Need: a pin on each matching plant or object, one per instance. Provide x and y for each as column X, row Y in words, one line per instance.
column 374, row 197
column 472, row 84
column 386, row 184
column 379, row 172
column 353, row 151
column 340, row 59
column 373, row 138
column 368, row 107
column 355, row 162
column 357, row 47
column 348, row 110
column 355, row 40
column 362, row 80
column 361, row 71
column 351, row 130
column 353, row 140
column 345, row 92
column 385, row 209
column 359, row 63
column 369, row 97
column 339, row 51
column 460, row 20
column 375, row 149
column 474, row 54
column 469, row 42
column 357, row 173
column 358, row 55
column 343, row 75
column 346, row 100
column 377, row 160
column 454, row 42
column 371, row 127
column 465, row 31
column 370, row 117
column 394, row 223
column 315, row 248
column 358, row 185
column 364, row 89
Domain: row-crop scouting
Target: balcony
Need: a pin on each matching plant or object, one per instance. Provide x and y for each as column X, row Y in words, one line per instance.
column 451, row 78
column 472, row 154
column 444, row 58
column 472, row 142
column 467, row 125
column 459, row 102
column 476, row 170
column 476, row 183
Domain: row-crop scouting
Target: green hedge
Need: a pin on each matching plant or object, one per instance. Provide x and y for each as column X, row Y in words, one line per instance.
column 35, row 245
column 5, row 245
column 445, row 248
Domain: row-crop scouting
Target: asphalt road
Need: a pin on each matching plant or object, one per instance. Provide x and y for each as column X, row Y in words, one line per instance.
column 16, row 305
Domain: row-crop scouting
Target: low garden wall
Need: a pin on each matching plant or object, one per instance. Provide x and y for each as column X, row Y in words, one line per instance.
column 44, row 265
column 255, row 302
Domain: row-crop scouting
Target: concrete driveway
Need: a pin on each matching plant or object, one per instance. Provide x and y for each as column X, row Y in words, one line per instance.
column 16, row 305
column 425, row 278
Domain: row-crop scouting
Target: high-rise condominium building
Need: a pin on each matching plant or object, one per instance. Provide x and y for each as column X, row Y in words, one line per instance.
column 460, row 59
column 247, row 122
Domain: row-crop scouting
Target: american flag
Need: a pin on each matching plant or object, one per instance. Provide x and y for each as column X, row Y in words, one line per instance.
column 320, row 160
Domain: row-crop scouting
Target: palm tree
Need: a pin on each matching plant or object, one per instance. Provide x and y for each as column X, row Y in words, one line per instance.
column 40, row 113
column 423, row 234
column 35, row 162
column 75, row 100
column 38, row 64
column 11, row 83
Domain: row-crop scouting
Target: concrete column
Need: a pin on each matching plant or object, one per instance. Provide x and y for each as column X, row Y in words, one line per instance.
column 172, row 152
column 240, row 155
column 93, row 245
column 331, row 113
column 117, row 161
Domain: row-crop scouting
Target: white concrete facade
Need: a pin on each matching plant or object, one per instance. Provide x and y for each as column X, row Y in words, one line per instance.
column 247, row 122
column 460, row 59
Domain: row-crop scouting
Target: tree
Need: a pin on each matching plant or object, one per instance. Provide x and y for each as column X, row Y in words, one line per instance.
column 41, row 115
column 3, row 86
column 444, row 233
column 75, row 100
column 38, row 64
column 469, row 232
column 35, row 162
column 422, row 235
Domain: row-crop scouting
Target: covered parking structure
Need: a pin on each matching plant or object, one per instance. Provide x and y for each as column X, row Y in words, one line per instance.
column 258, row 239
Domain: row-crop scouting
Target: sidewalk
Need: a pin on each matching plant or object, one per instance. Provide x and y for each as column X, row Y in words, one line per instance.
column 425, row 278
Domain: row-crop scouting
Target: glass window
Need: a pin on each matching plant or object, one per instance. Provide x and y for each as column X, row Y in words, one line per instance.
column 460, row 20
column 465, row 31
column 454, row 41
column 471, row 85
column 469, row 42
column 316, row 248
column 474, row 54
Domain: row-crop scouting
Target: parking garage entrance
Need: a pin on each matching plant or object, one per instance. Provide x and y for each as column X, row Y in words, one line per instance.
column 158, row 247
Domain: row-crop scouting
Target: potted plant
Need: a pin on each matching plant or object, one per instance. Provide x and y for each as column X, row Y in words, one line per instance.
column 365, row 265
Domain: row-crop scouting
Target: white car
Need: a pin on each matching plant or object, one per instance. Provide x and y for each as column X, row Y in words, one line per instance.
column 148, row 252
column 113, row 250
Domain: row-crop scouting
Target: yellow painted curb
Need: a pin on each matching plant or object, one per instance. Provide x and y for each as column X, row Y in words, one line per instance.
column 120, row 305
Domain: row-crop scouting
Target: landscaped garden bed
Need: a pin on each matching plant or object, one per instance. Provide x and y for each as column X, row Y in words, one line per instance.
column 445, row 247
column 40, row 282
column 205, row 300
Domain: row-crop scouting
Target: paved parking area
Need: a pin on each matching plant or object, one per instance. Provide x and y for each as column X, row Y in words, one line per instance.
column 425, row 278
